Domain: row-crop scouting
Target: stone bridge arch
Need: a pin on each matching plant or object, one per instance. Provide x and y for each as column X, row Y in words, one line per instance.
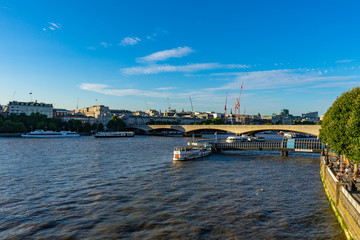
column 237, row 129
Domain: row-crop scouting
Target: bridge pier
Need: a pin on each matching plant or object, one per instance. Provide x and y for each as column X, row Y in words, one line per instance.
column 284, row 153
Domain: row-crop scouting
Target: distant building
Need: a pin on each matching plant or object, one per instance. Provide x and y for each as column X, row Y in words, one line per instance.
column 310, row 116
column 95, row 111
column 152, row 113
column 78, row 116
column 101, row 113
column 59, row 112
column 16, row 107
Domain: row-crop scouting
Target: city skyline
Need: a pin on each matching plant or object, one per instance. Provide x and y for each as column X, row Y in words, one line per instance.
column 136, row 55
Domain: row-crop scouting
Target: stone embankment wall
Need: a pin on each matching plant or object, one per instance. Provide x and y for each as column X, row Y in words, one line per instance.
column 346, row 208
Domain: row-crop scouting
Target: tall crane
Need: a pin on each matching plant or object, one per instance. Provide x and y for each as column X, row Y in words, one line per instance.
column 192, row 109
column 147, row 106
column 240, row 97
column 225, row 109
column 236, row 103
column 169, row 106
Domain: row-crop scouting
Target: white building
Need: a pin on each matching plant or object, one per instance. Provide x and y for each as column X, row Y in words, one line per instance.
column 16, row 107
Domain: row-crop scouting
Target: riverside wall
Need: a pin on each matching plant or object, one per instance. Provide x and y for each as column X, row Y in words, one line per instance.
column 346, row 208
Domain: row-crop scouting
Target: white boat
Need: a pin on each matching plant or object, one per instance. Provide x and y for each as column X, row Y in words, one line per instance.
column 113, row 134
column 50, row 134
column 256, row 139
column 187, row 153
column 233, row 139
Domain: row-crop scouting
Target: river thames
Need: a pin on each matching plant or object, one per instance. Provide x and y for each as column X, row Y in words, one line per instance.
column 129, row 188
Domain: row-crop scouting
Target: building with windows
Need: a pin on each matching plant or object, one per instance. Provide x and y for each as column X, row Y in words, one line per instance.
column 310, row 116
column 16, row 107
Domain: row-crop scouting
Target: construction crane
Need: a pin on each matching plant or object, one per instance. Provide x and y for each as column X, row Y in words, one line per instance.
column 240, row 96
column 236, row 103
column 169, row 106
column 192, row 109
column 225, row 109
column 147, row 106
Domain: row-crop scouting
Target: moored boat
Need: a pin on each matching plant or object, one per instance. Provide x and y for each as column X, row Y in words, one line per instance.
column 187, row 153
column 50, row 134
column 233, row 139
column 113, row 134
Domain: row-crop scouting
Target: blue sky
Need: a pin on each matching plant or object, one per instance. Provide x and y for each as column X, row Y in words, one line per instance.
column 298, row 55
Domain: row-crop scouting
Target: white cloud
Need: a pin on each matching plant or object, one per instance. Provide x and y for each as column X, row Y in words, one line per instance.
column 154, row 69
column 108, row 90
column 165, row 88
column 105, row 44
column 128, row 41
column 166, row 54
column 276, row 79
column 346, row 61
column 55, row 25
column 52, row 27
column 92, row 48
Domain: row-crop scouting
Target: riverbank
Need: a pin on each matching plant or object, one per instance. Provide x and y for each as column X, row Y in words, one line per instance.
column 345, row 206
column 10, row 134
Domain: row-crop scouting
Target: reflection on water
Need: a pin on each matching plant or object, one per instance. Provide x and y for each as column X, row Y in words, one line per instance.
column 130, row 188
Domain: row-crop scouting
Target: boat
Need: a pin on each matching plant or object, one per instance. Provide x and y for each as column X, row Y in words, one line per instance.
column 233, row 139
column 187, row 153
column 256, row 139
column 113, row 134
column 50, row 134
column 280, row 133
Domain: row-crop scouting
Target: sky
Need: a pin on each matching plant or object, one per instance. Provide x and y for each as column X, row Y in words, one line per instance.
column 136, row 55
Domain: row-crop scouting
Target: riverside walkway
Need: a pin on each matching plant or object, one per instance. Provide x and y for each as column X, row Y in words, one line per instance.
column 346, row 179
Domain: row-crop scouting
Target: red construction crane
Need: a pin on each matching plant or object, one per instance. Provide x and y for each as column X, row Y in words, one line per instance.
column 225, row 109
column 238, row 103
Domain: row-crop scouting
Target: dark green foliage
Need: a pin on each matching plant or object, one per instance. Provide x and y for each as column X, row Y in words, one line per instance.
column 100, row 127
column 340, row 127
column 116, row 124
column 12, row 127
column 22, row 123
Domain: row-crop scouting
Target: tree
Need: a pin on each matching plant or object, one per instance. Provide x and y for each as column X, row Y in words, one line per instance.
column 116, row 124
column 100, row 127
column 340, row 127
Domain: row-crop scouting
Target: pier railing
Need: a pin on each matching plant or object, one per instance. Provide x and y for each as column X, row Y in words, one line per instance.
column 285, row 145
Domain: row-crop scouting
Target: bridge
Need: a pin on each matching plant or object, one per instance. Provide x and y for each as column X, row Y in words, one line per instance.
column 237, row 129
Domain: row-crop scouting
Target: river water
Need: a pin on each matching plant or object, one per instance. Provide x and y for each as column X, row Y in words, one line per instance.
column 129, row 188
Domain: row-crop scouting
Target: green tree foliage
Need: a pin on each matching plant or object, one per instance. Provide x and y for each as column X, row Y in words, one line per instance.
column 17, row 123
column 116, row 124
column 12, row 127
column 340, row 127
column 100, row 127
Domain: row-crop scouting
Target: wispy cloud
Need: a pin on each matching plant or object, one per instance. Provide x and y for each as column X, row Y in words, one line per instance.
column 346, row 61
column 165, row 88
column 52, row 26
column 129, row 41
column 92, row 48
column 276, row 79
column 166, row 68
column 166, row 54
column 105, row 44
column 108, row 90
